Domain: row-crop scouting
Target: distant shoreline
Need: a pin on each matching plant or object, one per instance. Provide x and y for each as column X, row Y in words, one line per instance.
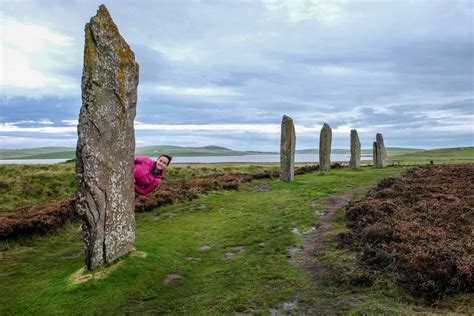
column 273, row 158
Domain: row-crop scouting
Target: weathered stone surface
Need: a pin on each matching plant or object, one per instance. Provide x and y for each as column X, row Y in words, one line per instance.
column 374, row 153
column 287, row 149
column 381, row 153
column 106, row 142
column 325, row 140
column 355, row 150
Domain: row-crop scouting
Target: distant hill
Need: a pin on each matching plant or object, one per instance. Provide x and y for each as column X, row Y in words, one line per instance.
column 191, row 151
column 177, row 151
column 37, row 153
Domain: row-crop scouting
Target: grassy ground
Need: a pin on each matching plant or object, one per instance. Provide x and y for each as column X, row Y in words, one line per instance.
column 24, row 185
column 438, row 156
column 223, row 253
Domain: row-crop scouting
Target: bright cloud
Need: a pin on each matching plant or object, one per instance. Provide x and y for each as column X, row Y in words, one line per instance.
column 12, row 127
column 70, row 122
column 197, row 91
column 32, row 58
column 14, row 142
column 32, row 38
column 41, row 122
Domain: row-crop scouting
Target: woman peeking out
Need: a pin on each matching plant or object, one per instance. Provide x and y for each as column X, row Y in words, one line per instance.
column 148, row 173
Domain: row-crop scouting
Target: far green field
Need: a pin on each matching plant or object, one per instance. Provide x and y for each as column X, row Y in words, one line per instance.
column 35, row 152
column 438, row 156
column 365, row 152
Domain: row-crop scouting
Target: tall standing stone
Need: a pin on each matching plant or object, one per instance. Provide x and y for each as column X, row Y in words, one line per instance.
column 355, row 150
column 106, row 142
column 381, row 153
column 325, row 140
column 287, row 149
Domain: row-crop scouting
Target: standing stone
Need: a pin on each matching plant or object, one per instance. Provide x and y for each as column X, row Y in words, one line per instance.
column 355, row 150
column 325, row 140
column 374, row 153
column 381, row 153
column 106, row 142
column 287, row 149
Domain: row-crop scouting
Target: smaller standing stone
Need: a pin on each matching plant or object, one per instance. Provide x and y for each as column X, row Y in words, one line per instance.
column 325, row 140
column 355, row 150
column 287, row 149
column 374, row 153
column 381, row 152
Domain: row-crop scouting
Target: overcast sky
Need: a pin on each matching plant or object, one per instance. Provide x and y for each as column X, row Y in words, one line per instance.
column 225, row 72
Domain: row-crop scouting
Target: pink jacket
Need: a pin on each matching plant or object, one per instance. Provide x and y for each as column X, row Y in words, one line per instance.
column 145, row 180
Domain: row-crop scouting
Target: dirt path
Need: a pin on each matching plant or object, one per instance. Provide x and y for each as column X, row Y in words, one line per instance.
column 304, row 256
column 313, row 240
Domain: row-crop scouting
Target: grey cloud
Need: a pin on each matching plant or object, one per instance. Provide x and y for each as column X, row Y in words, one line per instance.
column 48, row 108
column 240, row 78
column 154, row 65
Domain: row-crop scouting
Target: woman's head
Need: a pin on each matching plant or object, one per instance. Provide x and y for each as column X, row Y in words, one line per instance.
column 163, row 162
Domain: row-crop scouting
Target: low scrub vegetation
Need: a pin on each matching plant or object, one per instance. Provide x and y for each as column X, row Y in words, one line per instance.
column 417, row 228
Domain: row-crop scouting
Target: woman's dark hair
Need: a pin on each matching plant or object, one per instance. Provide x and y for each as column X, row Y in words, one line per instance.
column 167, row 156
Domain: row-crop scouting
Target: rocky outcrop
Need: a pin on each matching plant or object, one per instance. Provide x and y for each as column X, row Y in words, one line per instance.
column 287, row 149
column 325, row 140
column 106, row 142
column 355, row 150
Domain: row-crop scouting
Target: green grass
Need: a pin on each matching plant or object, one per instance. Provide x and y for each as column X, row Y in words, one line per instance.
column 25, row 185
column 438, row 156
column 35, row 273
